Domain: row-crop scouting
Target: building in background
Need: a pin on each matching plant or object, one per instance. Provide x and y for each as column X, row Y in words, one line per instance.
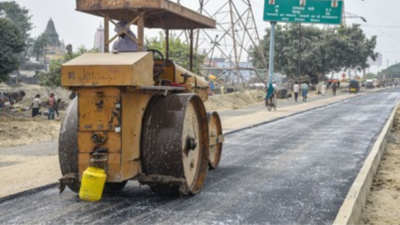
column 223, row 69
column 99, row 39
column 55, row 48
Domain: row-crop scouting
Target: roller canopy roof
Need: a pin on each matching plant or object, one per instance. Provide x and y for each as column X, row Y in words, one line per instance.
column 158, row 13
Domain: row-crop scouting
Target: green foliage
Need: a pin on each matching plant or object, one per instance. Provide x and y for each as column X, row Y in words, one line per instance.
column 357, row 48
column 21, row 18
column 39, row 47
column 322, row 50
column 390, row 72
column 11, row 45
column 53, row 77
column 179, row 52
column 370, row 76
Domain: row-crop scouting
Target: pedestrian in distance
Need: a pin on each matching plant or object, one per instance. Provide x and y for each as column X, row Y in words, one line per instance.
column 334, row 87
column 323, row 89
column 51, row 102
column 304, row 91
column 56, row 107
column 4, row 103
column 2, row 99
column 35, row 105
column 296, row 89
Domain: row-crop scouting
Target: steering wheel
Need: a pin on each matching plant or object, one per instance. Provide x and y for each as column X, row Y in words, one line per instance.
column 158, row 68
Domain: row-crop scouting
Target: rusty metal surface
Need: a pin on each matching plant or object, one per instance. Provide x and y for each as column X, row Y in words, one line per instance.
column 157, row 13
column 108, row 69
column 163, row 134
column 97, row 109
column 99, row 115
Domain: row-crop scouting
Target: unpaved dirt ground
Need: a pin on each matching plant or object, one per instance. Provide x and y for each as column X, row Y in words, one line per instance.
column 22, row 130
column 18, row 128
column 383, row 202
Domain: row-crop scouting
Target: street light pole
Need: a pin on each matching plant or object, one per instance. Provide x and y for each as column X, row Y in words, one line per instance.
column 271, row 52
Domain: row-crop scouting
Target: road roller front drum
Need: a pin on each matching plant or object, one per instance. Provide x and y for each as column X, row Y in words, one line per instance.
column 68, row 148
column 175, row 144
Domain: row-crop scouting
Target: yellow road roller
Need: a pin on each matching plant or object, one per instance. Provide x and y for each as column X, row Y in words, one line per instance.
column 137, row 115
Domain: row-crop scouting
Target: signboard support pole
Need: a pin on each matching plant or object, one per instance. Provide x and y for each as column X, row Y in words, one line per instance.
column 271, row 52
column 299, row 59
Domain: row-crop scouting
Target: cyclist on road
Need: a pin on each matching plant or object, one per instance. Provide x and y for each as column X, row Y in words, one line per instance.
column 271, row 93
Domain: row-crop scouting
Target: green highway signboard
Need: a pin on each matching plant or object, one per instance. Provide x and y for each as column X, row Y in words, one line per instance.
column 304, row 11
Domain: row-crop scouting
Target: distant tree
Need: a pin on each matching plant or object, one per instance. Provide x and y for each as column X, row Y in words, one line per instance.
column 39, row 47
column 370, row 75
column 357, row 48
column 11, row 45
column 392, row 71
column 322, row 50
column 20, row 17
column 179, row 51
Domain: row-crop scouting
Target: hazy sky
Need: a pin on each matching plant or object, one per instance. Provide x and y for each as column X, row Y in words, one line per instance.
column 78, row 28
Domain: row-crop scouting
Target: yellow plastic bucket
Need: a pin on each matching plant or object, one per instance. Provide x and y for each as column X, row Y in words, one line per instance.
column 92, row 185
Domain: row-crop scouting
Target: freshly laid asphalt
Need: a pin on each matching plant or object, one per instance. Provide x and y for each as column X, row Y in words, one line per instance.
column 296, row 170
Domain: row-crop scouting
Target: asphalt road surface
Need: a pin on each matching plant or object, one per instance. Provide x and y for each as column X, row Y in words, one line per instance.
column 296, row 170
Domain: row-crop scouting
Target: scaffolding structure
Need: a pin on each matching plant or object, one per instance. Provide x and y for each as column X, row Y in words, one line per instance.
column 235, row 36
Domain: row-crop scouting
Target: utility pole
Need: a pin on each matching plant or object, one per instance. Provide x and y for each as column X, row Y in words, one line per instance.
column 237, row 31
column 212, row 54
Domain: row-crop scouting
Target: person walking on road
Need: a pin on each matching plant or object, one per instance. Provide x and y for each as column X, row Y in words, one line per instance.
column 2, row 97
column 323, row 89
column 35, row 105
column 334, row 87
column 304, row 91
column 51, row 103
column 56, row 107
column 296, row 89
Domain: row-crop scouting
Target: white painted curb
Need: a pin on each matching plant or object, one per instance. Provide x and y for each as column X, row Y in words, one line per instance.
column 351, row 210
